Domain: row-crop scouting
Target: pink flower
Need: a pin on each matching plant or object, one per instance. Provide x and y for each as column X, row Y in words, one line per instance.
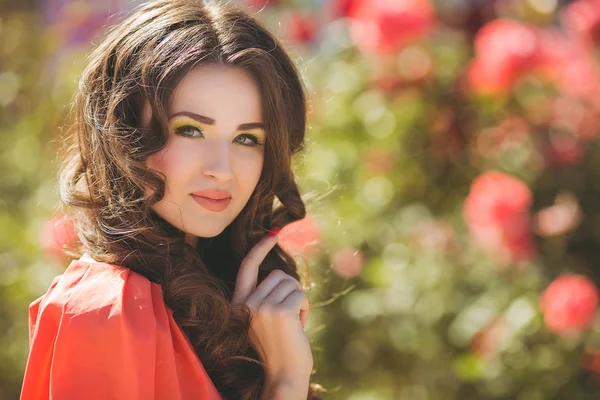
column 386, row 26
column 300, row 237
column 569, row 64
column 341, row 8
column 569, row 303
column 57, row 234
column 497, row 214
column 504, row 50
column 347, row 262
column 484, row 77
column 561, row 217
column 582, row 20
column 302, row 28
column 565, row 149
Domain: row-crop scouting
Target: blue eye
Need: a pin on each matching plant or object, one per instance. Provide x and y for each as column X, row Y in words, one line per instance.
column 188, row 131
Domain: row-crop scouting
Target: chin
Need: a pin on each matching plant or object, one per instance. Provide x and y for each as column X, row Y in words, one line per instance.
column 207, row 233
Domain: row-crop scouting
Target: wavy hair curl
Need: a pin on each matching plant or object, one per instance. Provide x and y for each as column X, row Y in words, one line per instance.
column 104, row 177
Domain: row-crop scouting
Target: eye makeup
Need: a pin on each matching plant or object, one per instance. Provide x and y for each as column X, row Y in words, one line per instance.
column 189, row 128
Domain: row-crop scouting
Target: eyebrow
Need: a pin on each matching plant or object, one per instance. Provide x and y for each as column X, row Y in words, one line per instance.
column 210, row 121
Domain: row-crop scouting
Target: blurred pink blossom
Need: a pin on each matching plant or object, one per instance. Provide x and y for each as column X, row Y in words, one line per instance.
column 582, row 20
column 302, row 28
column 300, row 237
column 564, row 149
column 569, row 304
column 561, row 217
column 347, row 262
column 386, row 26
column 56, row 234
column 569, row 64
column 505, row 50
column 497, row 214
column 341, row 8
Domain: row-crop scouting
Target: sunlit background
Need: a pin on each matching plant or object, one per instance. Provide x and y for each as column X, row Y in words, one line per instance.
column 455, row 245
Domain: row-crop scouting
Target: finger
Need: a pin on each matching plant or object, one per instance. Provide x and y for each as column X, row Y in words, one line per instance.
column 247, row 275
column 298, row 301
column 281, row 291
column 263, row 290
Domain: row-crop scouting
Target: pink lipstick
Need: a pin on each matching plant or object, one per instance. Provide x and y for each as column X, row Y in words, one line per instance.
column 212, row 200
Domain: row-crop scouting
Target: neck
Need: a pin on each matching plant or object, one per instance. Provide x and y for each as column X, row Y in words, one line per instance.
column 191, row 240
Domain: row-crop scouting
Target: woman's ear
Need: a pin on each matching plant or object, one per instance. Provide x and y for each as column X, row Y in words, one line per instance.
column 145, row 114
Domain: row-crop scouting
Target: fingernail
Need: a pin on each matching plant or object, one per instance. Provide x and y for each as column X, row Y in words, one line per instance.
column 274, row 232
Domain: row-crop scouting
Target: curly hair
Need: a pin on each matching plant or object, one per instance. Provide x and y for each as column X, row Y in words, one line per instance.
column 104, row 179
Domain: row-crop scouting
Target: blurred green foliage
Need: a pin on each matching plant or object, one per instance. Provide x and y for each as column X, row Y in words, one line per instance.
column 394, row 145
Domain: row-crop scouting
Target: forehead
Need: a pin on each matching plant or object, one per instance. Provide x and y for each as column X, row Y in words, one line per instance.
column 219, row 92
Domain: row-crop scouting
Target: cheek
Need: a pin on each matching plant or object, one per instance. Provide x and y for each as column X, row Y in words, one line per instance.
column 155, row 161
column 168, row 162
column 249, row 168
column 171, row 160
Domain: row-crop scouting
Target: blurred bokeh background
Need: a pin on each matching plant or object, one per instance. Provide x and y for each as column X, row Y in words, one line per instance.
column 455, row 247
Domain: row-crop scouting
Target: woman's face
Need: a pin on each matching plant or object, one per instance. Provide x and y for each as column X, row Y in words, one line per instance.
column 215, row 142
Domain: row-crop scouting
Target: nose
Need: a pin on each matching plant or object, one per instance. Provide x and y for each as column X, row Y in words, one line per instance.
column 217, row 161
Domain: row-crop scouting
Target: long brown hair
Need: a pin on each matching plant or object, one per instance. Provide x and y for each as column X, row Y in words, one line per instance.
column 104, row 180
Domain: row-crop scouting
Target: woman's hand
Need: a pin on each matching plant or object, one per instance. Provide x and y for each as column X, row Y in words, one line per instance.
column 280, row 310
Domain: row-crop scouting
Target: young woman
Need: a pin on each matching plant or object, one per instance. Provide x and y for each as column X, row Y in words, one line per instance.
column 187, row 118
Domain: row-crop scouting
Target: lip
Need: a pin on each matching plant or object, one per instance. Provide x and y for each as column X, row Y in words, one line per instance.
column 215, row 204
column 212, row 194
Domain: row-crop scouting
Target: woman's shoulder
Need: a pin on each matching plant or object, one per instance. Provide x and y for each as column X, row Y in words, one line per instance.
column 101, row 292
column 103, row 331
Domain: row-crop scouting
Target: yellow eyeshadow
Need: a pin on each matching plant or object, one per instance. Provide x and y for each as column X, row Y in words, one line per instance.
column 259, row 133
column 179, row 122
column 186, row 121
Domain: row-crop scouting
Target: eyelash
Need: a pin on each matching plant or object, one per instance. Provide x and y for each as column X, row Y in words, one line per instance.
column 185, row 128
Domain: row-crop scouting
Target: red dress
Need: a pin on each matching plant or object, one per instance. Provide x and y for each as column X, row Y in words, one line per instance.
column 104, row 332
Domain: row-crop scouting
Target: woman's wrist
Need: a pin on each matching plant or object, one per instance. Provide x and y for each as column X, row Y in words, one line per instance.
column 285, row 389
